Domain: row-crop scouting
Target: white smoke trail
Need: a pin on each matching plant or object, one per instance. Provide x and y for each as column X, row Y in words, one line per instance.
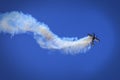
column 17, row 22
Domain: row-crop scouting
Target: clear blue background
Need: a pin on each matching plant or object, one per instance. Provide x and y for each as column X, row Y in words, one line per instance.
column 21, row 58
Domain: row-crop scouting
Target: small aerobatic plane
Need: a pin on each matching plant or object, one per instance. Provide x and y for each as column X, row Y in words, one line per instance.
column 94, row 38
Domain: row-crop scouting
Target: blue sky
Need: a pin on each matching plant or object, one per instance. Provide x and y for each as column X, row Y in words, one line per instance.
column 22, row 58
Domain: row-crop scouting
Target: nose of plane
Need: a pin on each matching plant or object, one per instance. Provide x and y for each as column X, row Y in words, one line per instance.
column 96, row 39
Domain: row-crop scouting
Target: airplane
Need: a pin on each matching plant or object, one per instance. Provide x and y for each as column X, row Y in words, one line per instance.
column 94, row 38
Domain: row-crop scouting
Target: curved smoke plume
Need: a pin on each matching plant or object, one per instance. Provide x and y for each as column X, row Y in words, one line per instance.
column 17, row 23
